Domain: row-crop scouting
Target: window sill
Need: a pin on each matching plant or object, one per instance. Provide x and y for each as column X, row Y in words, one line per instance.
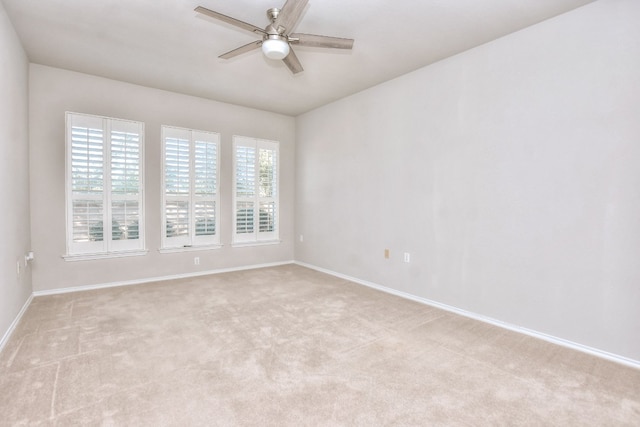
column 259, row 243
column 188, row 249
column 103, row 255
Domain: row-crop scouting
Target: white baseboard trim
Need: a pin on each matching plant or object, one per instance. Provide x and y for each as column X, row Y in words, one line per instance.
column 530, row 332
column 15, row 322
column 156, row 279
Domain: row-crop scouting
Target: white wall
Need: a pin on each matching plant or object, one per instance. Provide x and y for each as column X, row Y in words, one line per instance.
column 14, row 174
column 54, row 91
column 510, row 172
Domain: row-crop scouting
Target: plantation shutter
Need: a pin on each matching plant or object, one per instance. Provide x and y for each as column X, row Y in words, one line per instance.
column 104, row 184
column 190, row 187
column 255, row 190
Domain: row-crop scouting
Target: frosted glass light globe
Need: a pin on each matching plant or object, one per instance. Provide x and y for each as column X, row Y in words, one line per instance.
column 275, row 48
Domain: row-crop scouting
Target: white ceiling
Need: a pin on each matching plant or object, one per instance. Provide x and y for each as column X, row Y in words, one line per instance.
column 164, row 44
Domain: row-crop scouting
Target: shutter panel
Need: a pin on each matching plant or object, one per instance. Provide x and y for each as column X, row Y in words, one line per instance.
column 268, row 168
column 177, row 213
column 177, row 166
column 205, row 187
column 125, row 217
column 87, row 221
column 125, row 157
column 125, row 163
column 205, row 213
column 87, row 160
column 245, row 189
column 268, row 190
column 177, row 186
column 244, row 217
column 205, row 162
column 86, row 179
column 267, row 217
column 125, row 182
column 245, row 171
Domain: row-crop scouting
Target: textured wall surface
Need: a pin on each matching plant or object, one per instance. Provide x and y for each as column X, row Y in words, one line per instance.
column 15, row 287
column 508, row 172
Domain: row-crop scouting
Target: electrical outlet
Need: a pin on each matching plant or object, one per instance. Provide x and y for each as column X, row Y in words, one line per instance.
column 301, row 238
column 386, row 254
column 196, row 260
column 407, row 257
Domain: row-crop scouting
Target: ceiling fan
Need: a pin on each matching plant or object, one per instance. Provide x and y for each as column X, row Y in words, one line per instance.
column 277, row 37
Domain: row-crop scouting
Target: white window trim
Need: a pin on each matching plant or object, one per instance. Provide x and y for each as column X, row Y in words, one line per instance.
column 257, row 243
column 71, row 254
column 116, row 254
column 256, row 238
column 189, row 249
column 191, row 242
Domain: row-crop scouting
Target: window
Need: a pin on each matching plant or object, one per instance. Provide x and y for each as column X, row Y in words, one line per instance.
column 255, row 191
column 104, row 186
column 191, row 198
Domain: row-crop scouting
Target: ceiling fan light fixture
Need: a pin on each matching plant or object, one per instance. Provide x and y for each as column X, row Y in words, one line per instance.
column 275, row 47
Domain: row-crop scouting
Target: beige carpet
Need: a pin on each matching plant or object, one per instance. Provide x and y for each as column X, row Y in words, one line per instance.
column 288, row 346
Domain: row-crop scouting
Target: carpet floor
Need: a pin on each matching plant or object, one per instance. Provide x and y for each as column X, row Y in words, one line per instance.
column 289, row 346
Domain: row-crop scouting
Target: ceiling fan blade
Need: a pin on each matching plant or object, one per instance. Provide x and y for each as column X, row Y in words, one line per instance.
column 292, row 61
column 242, row 49
column 229, row 20
column 290, row 14
column 321, row 41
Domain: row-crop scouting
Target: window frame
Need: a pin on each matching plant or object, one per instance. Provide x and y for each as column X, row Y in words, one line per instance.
column 191, row 241
column 256, row 237
column 107, row 247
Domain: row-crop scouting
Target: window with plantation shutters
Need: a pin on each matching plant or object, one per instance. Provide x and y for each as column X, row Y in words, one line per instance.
column 104, row 186
column 190, row 188
column 255, row 197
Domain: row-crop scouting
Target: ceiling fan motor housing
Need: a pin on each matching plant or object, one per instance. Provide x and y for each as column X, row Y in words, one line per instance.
column 273, row 13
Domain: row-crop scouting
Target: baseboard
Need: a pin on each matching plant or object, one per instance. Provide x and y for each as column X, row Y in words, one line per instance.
column 15, row 322
column 530, row 332
column 156, row 279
